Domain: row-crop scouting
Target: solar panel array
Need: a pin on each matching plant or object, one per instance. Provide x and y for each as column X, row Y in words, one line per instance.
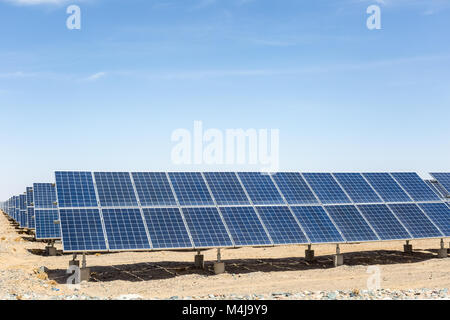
column 443, row 180
column 121, row 211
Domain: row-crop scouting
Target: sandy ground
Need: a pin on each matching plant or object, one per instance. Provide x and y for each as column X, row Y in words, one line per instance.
column 248, row 270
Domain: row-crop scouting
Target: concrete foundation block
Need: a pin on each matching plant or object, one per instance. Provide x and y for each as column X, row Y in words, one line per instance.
column 338, row 260
column 407, row 248
column 309, row 255
column 85, row 274
column 199, row 261
column 219, row 267
column 442, row 253
column 50, row 251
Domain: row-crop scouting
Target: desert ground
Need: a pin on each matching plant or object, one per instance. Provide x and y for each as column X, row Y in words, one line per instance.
column 251, row 273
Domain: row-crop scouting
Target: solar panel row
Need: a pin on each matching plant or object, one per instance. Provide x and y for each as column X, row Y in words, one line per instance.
column 142, row 211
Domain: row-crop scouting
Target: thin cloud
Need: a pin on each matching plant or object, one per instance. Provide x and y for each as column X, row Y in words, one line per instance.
column 96, row 76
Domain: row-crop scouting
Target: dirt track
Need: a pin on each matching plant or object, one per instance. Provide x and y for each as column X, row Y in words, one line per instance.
column 249, row 270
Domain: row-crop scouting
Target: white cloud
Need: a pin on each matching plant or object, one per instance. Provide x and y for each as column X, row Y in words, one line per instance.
column 96, row 76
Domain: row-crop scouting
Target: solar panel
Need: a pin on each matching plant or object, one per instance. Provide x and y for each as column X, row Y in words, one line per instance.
column 281, row 225
column 29, row 197
column 75, row 189
column 125, row 229
column 415, row 221
column 245, row 227
column 23, row 210
column 316, row 224
column 166, row 228
column 153, row 189
column 415, row 186
column 226, row 188
column 384, row 222
column 44, row 195
column 386, row 187
column 326, row 188
column 46, row 228
column 115, row 189
column 357, row 188
column 190, row 188
column 31, row 218
column 351, row 223
column 437, row 188
column 260, row 188
column 439, row 213
column 82, row 230
column 444, row 180
column 294, row 188
column 206, row 227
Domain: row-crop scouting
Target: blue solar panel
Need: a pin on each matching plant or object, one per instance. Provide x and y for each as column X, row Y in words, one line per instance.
column 317, row 224
column 281, row 225
column 115, row 189
column 386, row 187
column 125, row 229
column 226, row 188
column 244, row 225
column 46, row 228
column 44, row 195
column 294, row 188
column 416, row 187
column 153, row 189
column 351, row 223
column 190, row 188
column 30, row 197
column 437, row 188
column 31, row 219
column 439, row 213
column 82, row 230
column 206, row 227
column 357, row 188
column 415, row 221
column 326, row 188
column 75, row 189
column 166, row 228
column 260, row 188
column 384, row 222
column 444, row 180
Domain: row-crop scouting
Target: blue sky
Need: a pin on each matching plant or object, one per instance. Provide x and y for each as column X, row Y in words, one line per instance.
column 108, row 96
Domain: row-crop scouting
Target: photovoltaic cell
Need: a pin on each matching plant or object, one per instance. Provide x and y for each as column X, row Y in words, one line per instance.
column 244, row 226
column 357, row 188
column 75, row 189
column 46, row 228
column 415, row 221
column 326, row 188
column 153, row 189
column 82, row 230
column 317, row 224
column 294, row 188
column 166, row 228
column 115, row 189
column 415, row 186
column 439, row 213
column 351, row 223
column 386, row 187
column 206, row 227
column 281, row 225
column 260, row 188
column 226, row 188
column 190, row 188
column 444, row 180
column 125, row 229
column 44, row 195
column 384, row 222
